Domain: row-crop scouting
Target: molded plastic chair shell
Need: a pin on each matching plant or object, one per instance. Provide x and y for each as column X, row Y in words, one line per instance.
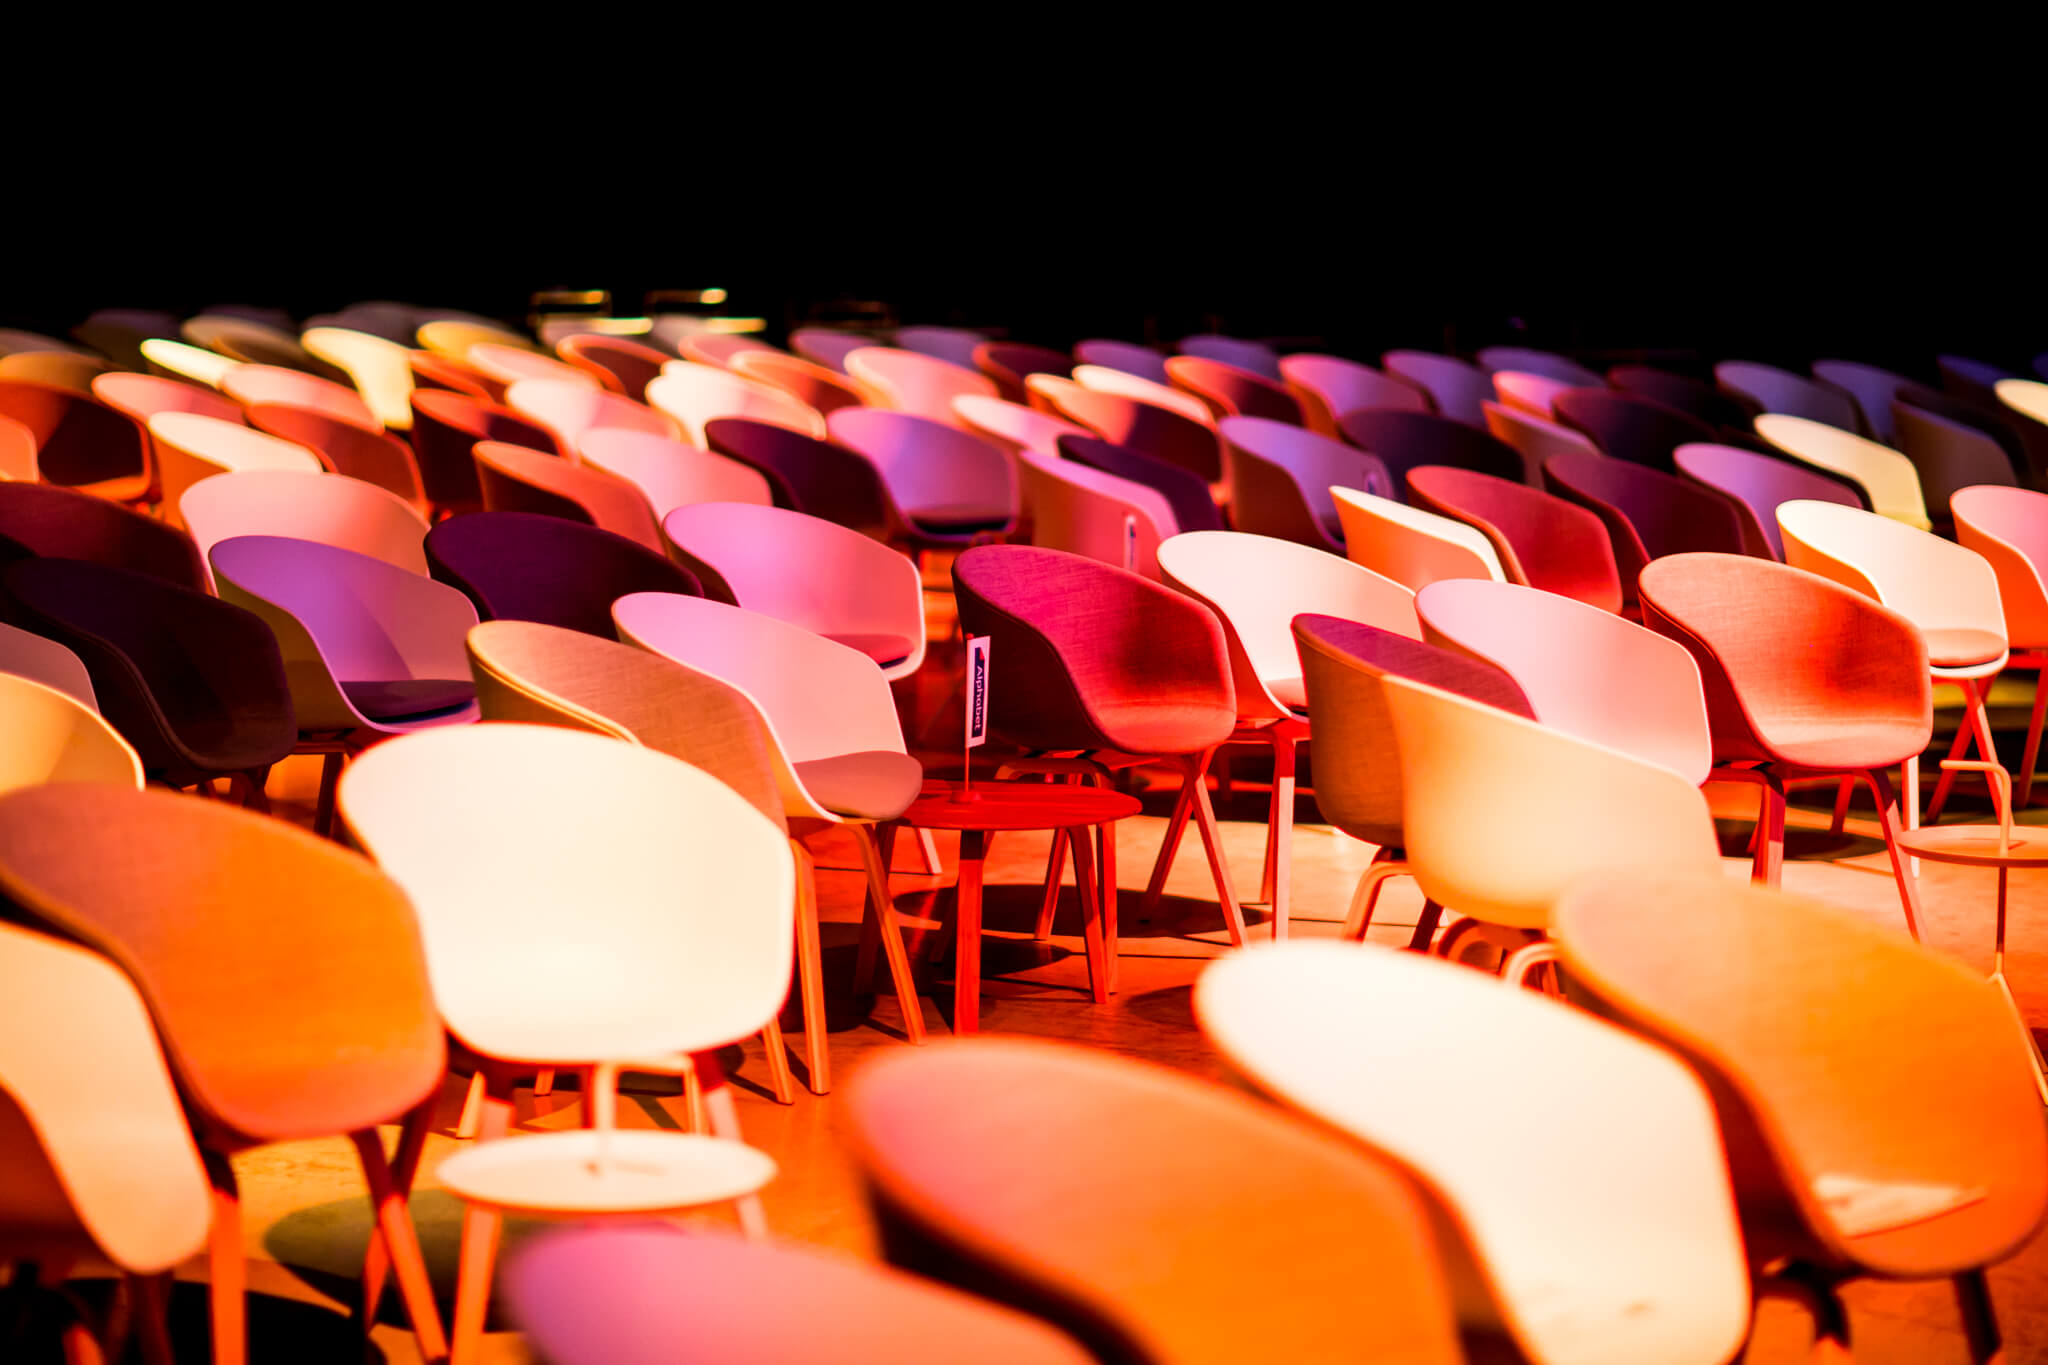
column 620, row 364
column 516, row 479
column 1098, row 379
column 525, row 567
column 2009, row 528
column 818, row 478
column 2023, row 443
column 921, row 385
column 26, row 654
column 1254, row 356
column 1143, row 361
column 1084, row 511
column 823, row 346
column 954, row 345
column 326, row 508
column 1975, row 380
column 1534, row 438
column 244, row 338
column 946, row 482
column 2027, row 397
column 1542, row 541
column 1410, row 546
column 1647, row 514
column 1164, row 433
column 1327, row 385
column 1185, row 492
column 504, row 366
column 177, row 360
column 696, row 394
column 572, row 410
column 1281, row 476
column 1230, row 391
column 1694, row 397
column 375, row 457
column 1532, row 393
column 1630, row 427
column 381, row 370
column 252, row 384
column 452, row 337
column 62, row 523
column 1887, row 477
column 1793, row 395
column 1949, row 456
column 672, row 474
column 1009, row 363
column 60, row 369
column 1873, row 390
column 1014, row 426
column 717, row 348
column 143, row 396
column 1755, row 484
column 430, row 371
column 446, row 428
column 18, row 453
column 195, row 448
column 1455, row 388
column 51, row 736
column 823, row 390
column 1408, row 440
column 1560, row 369
column 118, row 333
column 80, row 442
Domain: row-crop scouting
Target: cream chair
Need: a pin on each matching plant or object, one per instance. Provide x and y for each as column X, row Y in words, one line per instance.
column 672, row 474
column 176, row 360
column 190, row 448
column 694, row 394
column 47, row 735
column 451, row 338
column 1413, row 547
column 1886, row 477
column 381, row 370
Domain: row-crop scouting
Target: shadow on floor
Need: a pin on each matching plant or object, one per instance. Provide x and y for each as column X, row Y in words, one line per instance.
column 281, row 1331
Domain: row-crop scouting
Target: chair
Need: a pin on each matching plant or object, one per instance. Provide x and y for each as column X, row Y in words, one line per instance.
column 921, row 385
column 1014, row 426
column 1579, row 1179
column 176, row 360
column 1873, row 390
column 694, row 394
column 571, row 410
column 1255, row 357
column 430, row 371
column 14, row 341
column 952, row 1144
column 62, row 523
column 1405, row 440
column 118, row 333
column 519, row 566
column 102, row 1169
column 1143, row 361
column 1107, row 663
column 1755, row 485
column 1560, row 369
column 1647, row 514
column 380, row 368
column 1693, row 397
column 619, row 363
column 954, row 345
column 1328, row 386
column 821, row 389
column 806, row 475
column 1640, row 430
column 1281, row 477
column 445, row 430
column 451, row 338
column 518, row 479
column 823, row 346
column 2007, row 526
column 1534, row 438
column 1413, row 547
column 25, row 654
column 1097, row 379
column 1542, row 541
column 672, row 474
column 502, row 366
column 2027, row 397
column 254, row 342
column 947, row 485
column 1084, row 511
column 1851, row 1154
column 1257, row 586
column 719, row 348
column 1455, row 388
column 328, row 508
column 1804, row 678
column 649, row 1296
column 195, row 448
column 51, row 736
column 1793, row 395
column 1185, row 492
column 371, row 456
column 1948, row 456
column 384, row 319
column 183, row 896
column 82, row 443
column 252, row 384
column 1974, row 380
column 59, row 369
column 1531, row 393
column 1233, row 392
column 18, row 453
column 1008, row 363
column 143, row 396
column 1886, row 477
column 1163, row 433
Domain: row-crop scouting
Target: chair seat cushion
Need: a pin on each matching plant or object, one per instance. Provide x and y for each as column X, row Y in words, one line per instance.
column 885, row 650
column 1827, row 745
column 1165, row 726
column 1962, row 648
column 874, row 784
column 1291, row 692
column 408, row 698
column 958, row 520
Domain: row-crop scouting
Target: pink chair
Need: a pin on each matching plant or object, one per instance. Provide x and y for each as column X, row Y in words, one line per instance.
column 948, row 485
column 1121, row 420
column 1543, row 541
column 722, row 348
column 1281, row 476
column 1254, row 356
column 954, row 345
column 1085, row 511
column 1535, row 438
column 672, row 474
column 621, row 365
column 375, row 457
column 1232, row 392
column 921, row 385
column 823, row 346
column 1531, row 393
column 2009, row 527
column 1143, row 361
column 1754, row 485
column 813, row 573
column 824, row 390
column 1647, row 513
column 1327, row 386
column 1014, row 426
column 252, row 384
column 695, row 394
column 1009, row 363
column 1457, row 389
column 516, row 479
column 570, row 410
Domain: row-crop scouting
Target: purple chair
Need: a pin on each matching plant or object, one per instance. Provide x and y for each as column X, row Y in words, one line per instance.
column 1010, row 363
column 1185, row 492
column 1281, row 476
column 523, row 566
column 58, row 523
column 1771, row 389
column 1949, row 455
column 1873, row 390
column 1408, row 440
column 1256, row 356
column 1630, row 427
column 806, row 474
column 1648, row 514
column 2023, row 443
column 1972, row 380
column 1549, row 364
column 1456, row 388
column 1142, row 361
column 195, row 684
column 1695, row 398
column 1755, row 484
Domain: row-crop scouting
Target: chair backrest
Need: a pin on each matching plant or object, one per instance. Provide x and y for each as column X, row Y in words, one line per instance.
column 505, row 366
column 1099, row 379
column 2009, row 527
column 178, row 360
column 950, row 1141
column 818, row 388
column 1948, row 455
column 1084, row 511
column 2027, row 397
column 305, row 506
column 447, row 426
column 805, row 474
column 1560, row 369
column 526, row 567
column 823, row 346
column 375, row 457
column 1146, row 362
column 1280, row 477
column 1647, row 513
column 1411, row 546
column 1230, row 391
column 243, row 337
column 47, row 735
column 570, row 410
column 921, row 385
column 1406, row 440
column 1873, row 390
column 1585, row 671
column 1185, row 491
column 517, row 479
column 621, row 365
column 452, row 337
column 1890, row 480
column 2023, row 443
column 118, row 333
column 1534, row 438
column 251, row 384
column 1257, row 585
column 931, row 469
column 1975, row 380
column 1256, row 357
column 191, row 448
column 18, row 453
column 694, row 394
column 1327, row 386
column 954, row 345
column 1694, row 397
column 79, row 440
column 1755, row 484
column 28, row 655
column 1164, row 433
column 1009, row 363
column 437, row 372
column 1794, row 395
column 1532, row 393
column 59, row 523
column 380, row 368
column 1584, row 1174
column 61, row 369
column 1014, row 426
column 1542, row 541
column 672, row 474
column 143, row 396
column 1630, row 427
column 1455, row 387
column 579, row 899
column 718, row 348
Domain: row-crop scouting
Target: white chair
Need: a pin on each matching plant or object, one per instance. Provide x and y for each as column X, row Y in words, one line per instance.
column 1887, row 478
column 694, row 394
column 190, row 448
column 1089, row 512
column 672, row 474
column 1413, row 547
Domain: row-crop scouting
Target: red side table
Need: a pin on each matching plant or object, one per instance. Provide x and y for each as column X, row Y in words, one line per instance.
column 1000, row 806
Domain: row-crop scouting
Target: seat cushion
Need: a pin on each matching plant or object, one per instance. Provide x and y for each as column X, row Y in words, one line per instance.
column 408, row 698
column 1962, row 648
column 958, row 520
column 886, row 650
column 1292, row 692
column 874, row 784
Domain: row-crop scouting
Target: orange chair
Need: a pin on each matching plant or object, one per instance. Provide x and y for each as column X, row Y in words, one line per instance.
column 63, row 369
column 81, row 442
column 2009, row 527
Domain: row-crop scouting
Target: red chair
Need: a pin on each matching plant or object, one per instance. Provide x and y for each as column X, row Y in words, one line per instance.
column 620, row 365
column 445, row 430
column 1543, row 541
column 375, row 457
column 81, row 442
column 1233, row 392
column 2009, row 527
column 1009, row 363
column 1647, row 514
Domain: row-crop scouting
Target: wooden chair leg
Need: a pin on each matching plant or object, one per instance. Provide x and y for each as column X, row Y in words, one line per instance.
column 1176, row 825
column 395, row 1224
column 1902, row 871
column 480, row 1230
column 1366, row 895
column 890, row 926
column 1280, row 834
column 928, row 861
column 2024, row 787
column 81, row 1347
column 1767, row 868
column 472, row 1106
column 779, row 1078
column 1196, row 769
column 150, row 1296
column 1055, row 870
column 330, row 779
column 810, row 973
column 405, row 1165
column 1425, row 927
column 1845, row 792
column 1105, row 859
column 227, row 1276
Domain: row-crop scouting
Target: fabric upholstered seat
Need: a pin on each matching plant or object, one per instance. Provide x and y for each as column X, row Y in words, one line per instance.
column 1962, row 648
column 408, row 698
column 1293, row 691
column 883, row 649
column 874, row 784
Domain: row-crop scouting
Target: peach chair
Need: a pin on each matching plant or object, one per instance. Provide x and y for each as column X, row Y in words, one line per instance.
column 18, row 453
column 99, row 1157
column 948, row 485
column 1280, row 477
column 1542, row 540
column 1853, row 1155
column 1255, row 357
column 619, row 363
column 835, row 739
column 1530, row 393
column 823, row 346
column 1585, row 671
column 1124, row 1243
column 1455, row 388
column 1412, row 547
column 451, row 338
column 1257, row 585
column 183, row 895
column 516, row 479
column 191, row 448
column 430, row 371
column 503, row 366
column 579, row 951
column 28, row 655
column 1804, row 678
column 1547, row 364
column 82, row 443
column 807, row 571
column 329, row 508
column 1755, row 484
column 1535, row 438
column 1014, row 426
column 380, row 369
column 1146, row 362
column 2009, row 527
column 1228, row 391
column 921, row 385
column 1099, row 379
column 1794, row 395
column 1579, row 1177
column 65, row 369
column 1327, row 386
column 653, row 1296
column 1948, row 591
column 954, row 345
column 365, row 453
column 176, row 360
column 1086, row 511
column 570, row 410
column 52, row 736
column 721, row 348
column 1887, row 478
column 695, row 394
column 822, row 389
column 1168, row 433
column 252, row 384
column 446, row 427
column 1010, row 363
column 672, row 474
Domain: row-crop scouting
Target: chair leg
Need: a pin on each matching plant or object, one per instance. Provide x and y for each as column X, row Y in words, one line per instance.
column 472, row 1106
column 330, row 779
column 890, row 925
column 480, row 1229
column 226, row 1274
column 81, row 1347
column 810, row 972
column 1366, row 895
column 1845, row 792
column 405, row 1165
column 2032, row 755
column 928, row 863
column 1195, row 769
column 1105, row 858
column 1976, row 724
column 150, row 1295
column 395, row 1224
column 1091, row 918
column 1280, row 833
column 1980, row 1322
column 779, row 1079
column 544, row 1082
column 1055, row 869
column 1767, row 867
column 1176, row 825
column 724, row 1121
column 1425, row 927
column 1902, row 872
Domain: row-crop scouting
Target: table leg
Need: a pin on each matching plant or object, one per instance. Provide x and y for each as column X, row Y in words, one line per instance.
column 967, row 935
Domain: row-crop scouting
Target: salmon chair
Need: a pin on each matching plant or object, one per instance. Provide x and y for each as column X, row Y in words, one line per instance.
column 1534, row 438
column 1530, row 393
column 375, row 457
column 1628, row 427
column 1804, row 678
column 274, row 384
column 177, row 360
column 672, row 474
column 954, row 345
column 439, row 373
column 81, row 442
column 1949, row 456
column 569, row 410
column 1406, row 440
column 824, row 346
column 1949, row 591
column 713, row 348
column 101, row 1168
column 1096, row 379
column 52, row 736
column 1581, row 1184
column 650, row 1296
column 381, row 370
column 517, row 566
column 1413, row 547
column 1281, row 476
column 1115, row 669
column 28, row 655
column 1358, row 765
column 1542, row 541
column 1233, row 392
column 2009, row 528
column 1146, row 362
column 835, row 739
column 1559, row 369
column 1718, row 408
column 1648, row 514
column 809, row 572
column 951, row 1145
column 1014, row 426
column 183, row 896
column 1755, row 485
column 530, row 967
column 1186, row 493
column 694, row 394
column 1257, row 586
column 18, row 453
column 194, row 448
column 1852, row 1156
column 1009, row 363
column 59, row 369
column 1327, row 386
column 63, row 523
column 619, row 363
column 445, row 430
column 1084, row 511
column 817, row 478
column 291, row 502
column 143, row 396
column 1255, row 357
column 503, row 366
column 1887, row 480
column 196, row 686
column 816, row 387
column 1794, row 395
column 922, row 385
column 947, row 486
column 1455, row 388
column 517, row 479
column 1164, row 433
column 1873, row 391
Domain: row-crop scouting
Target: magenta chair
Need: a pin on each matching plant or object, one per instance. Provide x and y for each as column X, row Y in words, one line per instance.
column 1629, row 427
column 1647, row 514
column 1754, row 485
column 1543, row 541
column 1455, row 387
column 1114, row 670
